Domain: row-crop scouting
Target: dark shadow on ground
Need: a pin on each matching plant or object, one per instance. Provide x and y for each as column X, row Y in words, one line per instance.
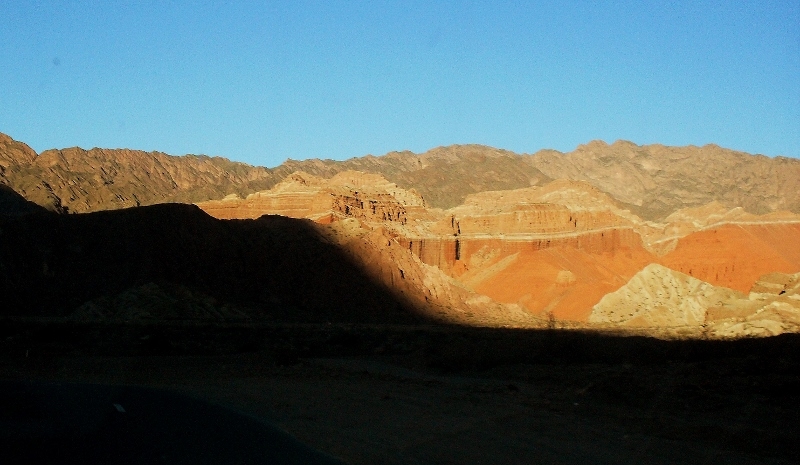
column 296, row 299
column 739, row 396
column 66, row 423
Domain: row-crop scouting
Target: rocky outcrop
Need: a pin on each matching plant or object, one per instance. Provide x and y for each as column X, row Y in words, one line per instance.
column 538, row 219
column 776, row 284
column 658, row 297
column 772, row 307
column 14, row 153
column 346, row 195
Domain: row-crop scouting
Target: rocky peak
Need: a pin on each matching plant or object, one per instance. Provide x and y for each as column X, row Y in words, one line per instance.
column 14, row 153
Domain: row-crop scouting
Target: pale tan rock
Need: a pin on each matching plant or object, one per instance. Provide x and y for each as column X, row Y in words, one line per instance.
column 658, row 296
column 655, row 180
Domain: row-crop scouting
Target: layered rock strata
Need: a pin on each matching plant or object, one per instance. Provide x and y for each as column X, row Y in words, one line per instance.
column 735, row 255
column 475, row 242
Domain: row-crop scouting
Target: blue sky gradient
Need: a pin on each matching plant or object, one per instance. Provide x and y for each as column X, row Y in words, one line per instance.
column 264, row 81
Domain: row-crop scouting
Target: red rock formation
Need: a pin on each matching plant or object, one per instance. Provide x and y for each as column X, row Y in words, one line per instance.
column 492, row 233
column 564, row 281
column 735, row 256
column 453, row 254
column 427, row 288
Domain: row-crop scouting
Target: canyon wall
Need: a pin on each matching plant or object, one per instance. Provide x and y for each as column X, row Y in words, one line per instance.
column 487, row 245
column 454, row 254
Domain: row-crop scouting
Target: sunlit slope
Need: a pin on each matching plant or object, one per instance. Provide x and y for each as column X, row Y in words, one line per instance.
column 564, row 281
column 736, row 255
column 659, row 297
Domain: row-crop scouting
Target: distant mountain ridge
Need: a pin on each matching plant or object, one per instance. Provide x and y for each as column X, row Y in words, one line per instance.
column 652, row 180
column 655, row 180
column 78, row 180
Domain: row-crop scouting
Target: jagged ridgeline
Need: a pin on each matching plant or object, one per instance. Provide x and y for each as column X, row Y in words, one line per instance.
column 652, row 181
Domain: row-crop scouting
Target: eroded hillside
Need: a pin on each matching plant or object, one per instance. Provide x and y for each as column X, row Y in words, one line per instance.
column 655, row 180
column 554, row 251
column 461, row 234
column 78, row 181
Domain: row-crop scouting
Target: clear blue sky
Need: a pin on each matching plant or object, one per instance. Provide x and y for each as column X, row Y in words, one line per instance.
column 264, row 81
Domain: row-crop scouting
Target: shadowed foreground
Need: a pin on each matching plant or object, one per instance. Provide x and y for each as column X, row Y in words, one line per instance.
column 179, row 263
column 62, row 423
column 448, row 395
column 268, row 317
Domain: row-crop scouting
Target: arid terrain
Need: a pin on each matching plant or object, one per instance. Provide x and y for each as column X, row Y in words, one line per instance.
column 614, row 304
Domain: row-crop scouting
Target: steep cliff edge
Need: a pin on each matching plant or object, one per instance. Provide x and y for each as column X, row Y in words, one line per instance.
column 350, row 194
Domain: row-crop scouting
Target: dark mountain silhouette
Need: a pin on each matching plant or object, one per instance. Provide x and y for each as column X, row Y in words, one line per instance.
column 12, row 204
column 273, row 267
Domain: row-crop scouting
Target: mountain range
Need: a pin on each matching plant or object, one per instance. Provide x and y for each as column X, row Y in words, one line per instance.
column 652, row 180
column 464, row 234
